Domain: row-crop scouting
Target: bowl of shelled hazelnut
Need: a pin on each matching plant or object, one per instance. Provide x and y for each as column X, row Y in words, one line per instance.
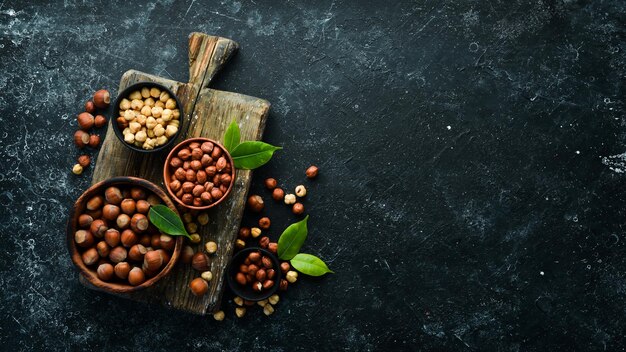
column 149, row 117
column 111, row 239
column 253, row 274
column 199, row 173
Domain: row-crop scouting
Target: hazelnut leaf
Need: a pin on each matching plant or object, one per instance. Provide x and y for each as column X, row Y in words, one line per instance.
column 232, row 137
column 310, row 265
column 252, row 154
column 167, row 221
column 292, row 239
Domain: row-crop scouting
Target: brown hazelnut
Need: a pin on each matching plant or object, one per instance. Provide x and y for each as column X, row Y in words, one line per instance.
column 176, row 162
column 283, row 285
column 101, row 98
column 187, row 187
column 261, row 275
column 155, row 240
column 268, row 284
column 164, row 255
column 137, row 193
column 186, row 254
column 144, row 240
column 110, row 212
column 271, row 273
column 267, row 262
column 118, row 254
column 100, row 121
column 243, row 268
column 197, row 190
column 206, row 147
column 255, row 203
column 143, row 206
column 98, row 228
column 90, row 107
column 121, row 122
column 139, row 222
column 210, row 171
column 201, row 177
column 85, row 220
column 272, row 247
column 206, row 197
column 152, row 260
column 206, row 160
column 95, row 203
column 136, row 277
column 190, row 175
column 113, row 195
column 175, row 185
column 94, row 141
column 270, row 183
column 285, row 267
column 216, row 153
column 167, row 242
column 200, row 262
column 128, row 206
column 121, row 270
column 187, row 198
column 196, row 154
column 90, row 256
column 81, row 138
column 85, row 121
column 123, row 221
column 298, row 209
column 136, row 252
column 241, row 279
column 264, row 242
column 105, row 271
column 244, row 232
column 187, row 165
column 112, row 237
column 194, row 145
column 103, row 249
column 184, row 154
column 220, row 164
column 198, row 286
column 252, row 269
column 312, row 171
column 257, row 286
column 254, row 257
column 83, row 238
column 84, row 160
column 180, row 174
column 278, row 194
column 216, row 194
column 223, row 188
column 128, row 238
column 225, row 179
column 264, row 223
column 195, row 165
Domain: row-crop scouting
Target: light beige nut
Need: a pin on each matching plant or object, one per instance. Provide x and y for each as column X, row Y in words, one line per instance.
column 240, row 312
column 273, row 299
column 203, row 219
column 262, row 302
column 219, row 315
column 211, row 247
column 291, row 276
column 255, row 232
column 300, row 191
column 135, row 95
column 207, row 276
column 238, row 301
column 124, row 104
column 195, row 238
column 77, row 169
column 268, row 309
column 290, row 198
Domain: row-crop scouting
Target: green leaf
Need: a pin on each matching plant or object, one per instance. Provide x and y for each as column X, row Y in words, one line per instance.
column 310, row 265
column 292, row 239
column 167, row 221
column 252, row 154
column 232, row 136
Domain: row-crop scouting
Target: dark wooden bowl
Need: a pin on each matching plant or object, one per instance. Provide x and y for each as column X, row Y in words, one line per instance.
column 246, row 292
column 167, row 173
column 72, row 227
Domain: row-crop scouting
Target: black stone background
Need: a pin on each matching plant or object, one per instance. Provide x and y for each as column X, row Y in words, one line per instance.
column 471, row 191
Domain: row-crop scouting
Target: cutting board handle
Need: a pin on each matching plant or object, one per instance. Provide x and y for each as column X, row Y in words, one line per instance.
column 207, row 55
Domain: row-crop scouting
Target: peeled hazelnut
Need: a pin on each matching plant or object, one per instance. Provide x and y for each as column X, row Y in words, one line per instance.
column 203, row 219
column 272, row 247
column 186, row 254
column 152, row 260
column 139, row 222
column 90, row 256
column 198, row 287
column 113, row 195
column 271, row 183
column 290, row 199
column 255, row 203
column 219, row 315
column 103, row 249
column 98, row 228
column 264, row 242
column 105, row 272
column 167, row 242
column 143, row 206
column 278, row 194
column 312, row 171
column 262, row 302
column 77, row 169
column 90, row 107
column 268, row 309
column 240, row 312
column 101, row 99
column 200, row 262
column 84, row 160
column 110, row 212
column 83, row 238
column 195, row 238
column 100, row 121
column 118, row 254
column 298, row 209
column 121, row 270
column 136, row 276
column 112, row 237
column 284, row 267
column 211, row 247
column 264, row 223
column 137, row 252
column 123, row 221
column 300, row 191
column 244, row 233
column 95, row 203
column 207, row 276
column 128, row 238
column 291, row 276
column 192, row 227
column 85, row 220
column 128, row 206
column 255, row 232
column 85, row 121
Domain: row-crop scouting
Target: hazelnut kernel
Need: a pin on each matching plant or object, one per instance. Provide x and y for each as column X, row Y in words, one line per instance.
column 300, row 191
column 203, row 219
column 219, row 315
column 268, row 309
column 207, row 276
column 195, row 238
column 211, row 247
column 240, row 312
column 291, row 276
column 240, row 243
column 273, row 299
column 77, row 169
column 290, row 199
column 255, row 232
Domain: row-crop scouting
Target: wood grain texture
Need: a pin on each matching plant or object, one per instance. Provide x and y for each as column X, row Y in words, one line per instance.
column 207, row 113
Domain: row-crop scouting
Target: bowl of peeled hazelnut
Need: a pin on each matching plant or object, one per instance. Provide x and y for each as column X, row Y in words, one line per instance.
column 253, row 274
column 111, row 239
column 199, row 173
column 149, row 117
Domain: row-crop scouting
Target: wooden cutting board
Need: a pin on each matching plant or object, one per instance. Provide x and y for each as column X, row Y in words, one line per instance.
column 207, row 113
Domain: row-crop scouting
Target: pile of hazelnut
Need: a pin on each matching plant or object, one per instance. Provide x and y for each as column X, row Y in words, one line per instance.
column 116, row 238
column 257, row 271
column 200, row 174
column 86, row 121
column 148, row 118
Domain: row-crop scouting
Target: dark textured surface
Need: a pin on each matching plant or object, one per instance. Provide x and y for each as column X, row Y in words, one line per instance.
column 471, row 194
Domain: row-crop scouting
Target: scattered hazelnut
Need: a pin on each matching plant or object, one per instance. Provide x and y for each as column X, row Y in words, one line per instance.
column 298, row 209
column 272, row 247
column 187, row 218
column 198, row 287
column 94, row 140
column 77, row 169
column 136, row 277
column 291, row 276
column 285, row 267
column 264, row 223
column 264, row 242
column 219, row 315
column 81, row 138
column 240, row 243
column 283, row 285
column 268, row 309
column 270, row 183
column 262, row 302
column 255, row 232
column 101, row 99
column 203, row 219
column 200, row 262
column 273, row 299
column 186, row 254
column 211, row 247
column 312, row 171
column 195, row 238
column 85, row 121
column 84, row 160
column 300, row 191
column 122, row 269
column 290, row 199
column 207, row 276
column 255, row 203
column 90, row 107
column 105, row 271
column 240, row 312
column 100, row 121
column 192, row 227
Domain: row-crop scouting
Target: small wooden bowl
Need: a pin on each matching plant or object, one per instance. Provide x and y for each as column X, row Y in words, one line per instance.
column 72, row 227
column 167, row 173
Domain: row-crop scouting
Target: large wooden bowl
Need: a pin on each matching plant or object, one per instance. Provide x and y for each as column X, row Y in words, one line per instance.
column 167, row 173
column 72, row 227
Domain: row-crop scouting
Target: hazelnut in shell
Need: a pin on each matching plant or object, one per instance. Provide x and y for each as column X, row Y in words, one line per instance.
column 198, row 287
column 101, row 99
column 136, row 277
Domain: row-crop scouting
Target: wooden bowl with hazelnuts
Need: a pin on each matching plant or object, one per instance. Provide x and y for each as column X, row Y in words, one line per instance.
column 199, row 173
column 111, row 240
